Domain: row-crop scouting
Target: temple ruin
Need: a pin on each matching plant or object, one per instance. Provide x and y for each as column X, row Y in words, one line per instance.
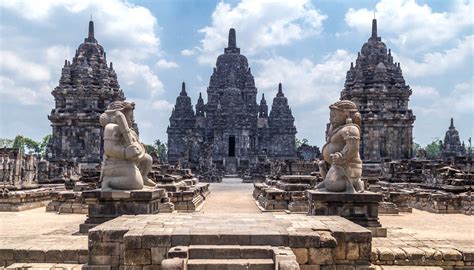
column 87, row 85
column 452, row 146
column 376, row 84
column 231, row 129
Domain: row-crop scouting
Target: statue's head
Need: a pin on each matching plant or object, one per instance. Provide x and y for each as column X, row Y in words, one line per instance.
column 124, row 107
column 344, row 112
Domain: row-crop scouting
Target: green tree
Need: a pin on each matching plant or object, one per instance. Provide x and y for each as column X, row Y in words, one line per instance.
column 44, row 144
column 433, row 149
column 416, row 147
column 161, row 149
column 299, row 142
column 4, row 142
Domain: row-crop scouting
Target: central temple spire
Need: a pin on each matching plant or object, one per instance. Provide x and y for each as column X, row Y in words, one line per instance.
column 374, row 28
column 90, row 36
column 232, row 43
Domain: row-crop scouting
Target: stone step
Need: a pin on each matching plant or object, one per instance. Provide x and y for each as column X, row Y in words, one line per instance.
column 230, row 252
column 234, row 264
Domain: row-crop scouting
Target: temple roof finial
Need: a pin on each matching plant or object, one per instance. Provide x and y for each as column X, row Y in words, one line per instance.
column 183, row 89
column 90, row 36
column 374, row 28
column 452, row 123
column 280, row 91
column 232, row 42
column 91, row 28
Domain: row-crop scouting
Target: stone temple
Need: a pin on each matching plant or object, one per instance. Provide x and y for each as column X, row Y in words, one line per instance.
column 452, row 146
column 231, row 129
column 376, row 84
column 86, row 87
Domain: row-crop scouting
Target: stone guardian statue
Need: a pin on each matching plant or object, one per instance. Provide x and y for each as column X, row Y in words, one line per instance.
column 126, row 163
column 341, row 167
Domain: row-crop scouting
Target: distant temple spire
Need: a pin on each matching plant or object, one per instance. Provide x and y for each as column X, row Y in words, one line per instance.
column 90, row 36
column 183, row 89
column 452, row 123
column 280, row 90
column 232, row 43
column 374, row 28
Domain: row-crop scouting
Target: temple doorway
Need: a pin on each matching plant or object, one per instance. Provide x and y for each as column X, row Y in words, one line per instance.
column 231, row 146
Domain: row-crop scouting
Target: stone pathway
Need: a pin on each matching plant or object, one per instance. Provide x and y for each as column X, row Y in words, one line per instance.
column 38, row 236
column 230, row 196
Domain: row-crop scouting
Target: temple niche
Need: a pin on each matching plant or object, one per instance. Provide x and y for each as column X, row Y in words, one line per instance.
column 86, row 87
column 376, row 84
column 231, row 123
column 452, row 146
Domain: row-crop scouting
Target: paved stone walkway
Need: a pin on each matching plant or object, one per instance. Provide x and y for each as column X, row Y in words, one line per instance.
column 37, row 236
column 230, row 196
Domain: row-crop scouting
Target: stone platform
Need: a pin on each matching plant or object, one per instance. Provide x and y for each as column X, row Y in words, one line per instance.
column 144, row 241
column 361, row 208
column 20, row 200
column 286, row 192
column 106, row 205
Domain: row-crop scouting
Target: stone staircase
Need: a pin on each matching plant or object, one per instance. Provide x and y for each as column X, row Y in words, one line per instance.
column 209, row 257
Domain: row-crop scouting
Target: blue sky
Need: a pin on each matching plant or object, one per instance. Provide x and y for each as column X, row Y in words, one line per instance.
column 306, row 45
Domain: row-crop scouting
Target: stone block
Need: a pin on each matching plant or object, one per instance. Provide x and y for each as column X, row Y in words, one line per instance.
column 301, row 255
column 385, row 254
column 321, row 256
column 137, row 257
column 450, row 254
column 327, row 240
column 173, row 264
column 156, row 240
column 234, row 239
column 352, row 251
column 304, row 240
column 158, row 254
column 104, row 248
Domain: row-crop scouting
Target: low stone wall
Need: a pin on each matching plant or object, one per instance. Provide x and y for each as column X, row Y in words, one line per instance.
column 431, row 201
column 143, row 241
column 286, row 192
column 448, row 258
column 19, row 200
column 67, row 202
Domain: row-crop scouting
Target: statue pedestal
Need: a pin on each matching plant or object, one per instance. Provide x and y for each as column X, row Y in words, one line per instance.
column 106, row 205
column 360, row 208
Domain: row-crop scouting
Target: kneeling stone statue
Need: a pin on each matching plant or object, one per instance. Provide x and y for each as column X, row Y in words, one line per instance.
column 341, row 167
column 126, row 163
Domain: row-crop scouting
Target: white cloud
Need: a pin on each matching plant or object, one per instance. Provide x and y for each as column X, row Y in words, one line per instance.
column 434, row 63
column 259, row 25
column 21, row 68
column 424, row 92
column 162, row 105
column 188, row 52
column 116, row 20
column 163, row 64
column 412, row 25
column 305, row 81
column 127, row 29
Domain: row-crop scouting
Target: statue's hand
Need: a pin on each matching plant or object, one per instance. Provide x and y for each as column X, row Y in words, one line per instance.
column 132, row 151
column 337, row 158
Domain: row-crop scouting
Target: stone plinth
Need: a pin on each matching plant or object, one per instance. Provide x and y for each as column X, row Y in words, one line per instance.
column 361, row 208
column 146, row 241
column 107, row 205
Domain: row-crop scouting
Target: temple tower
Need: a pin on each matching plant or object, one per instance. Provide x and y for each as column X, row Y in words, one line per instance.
column 87, row 85
column 452, row 146
column 282, row 127
column 231, row 120
column 182, row 122
column 376, row 84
